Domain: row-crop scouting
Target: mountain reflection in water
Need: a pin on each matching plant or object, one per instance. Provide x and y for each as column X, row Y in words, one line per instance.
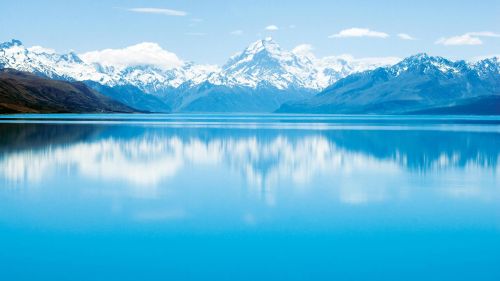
column 360, row 165
column 262, row 197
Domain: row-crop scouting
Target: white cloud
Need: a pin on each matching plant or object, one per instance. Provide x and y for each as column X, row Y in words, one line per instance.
column 41, row 50
column 145, row 53
column 237, row 32
column 303, row 50
column 271, row 27
column 406, row 36
column 470, row 38
column 460, row 40
column 159, row 11
column 359, row 32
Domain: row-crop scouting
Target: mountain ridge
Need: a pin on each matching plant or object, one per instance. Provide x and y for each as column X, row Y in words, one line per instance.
column 300, row 69
column 415, row 84
column 266, row 78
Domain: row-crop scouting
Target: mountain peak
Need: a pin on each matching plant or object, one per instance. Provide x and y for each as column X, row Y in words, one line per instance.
column 16, row 42
column 421, row 55
column 71, row 57
column 13, row 42
column 418, row 57
column 267, row 44
column 425, row 59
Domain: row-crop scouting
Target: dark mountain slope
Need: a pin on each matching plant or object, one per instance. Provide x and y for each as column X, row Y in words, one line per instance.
column 22, row 92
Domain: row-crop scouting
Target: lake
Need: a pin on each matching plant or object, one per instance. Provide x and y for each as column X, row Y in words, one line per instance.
column 249, row 197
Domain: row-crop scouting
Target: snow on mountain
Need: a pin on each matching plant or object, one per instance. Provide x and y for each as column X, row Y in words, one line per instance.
column 487, row 66
column 68, row 66
column 416, row 84
column 333, row 68
column 262, row 64
column 153, row 79
column 149, row 78
column 425, row 64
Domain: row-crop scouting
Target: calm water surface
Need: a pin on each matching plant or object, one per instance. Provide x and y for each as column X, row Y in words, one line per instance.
column 249, row 197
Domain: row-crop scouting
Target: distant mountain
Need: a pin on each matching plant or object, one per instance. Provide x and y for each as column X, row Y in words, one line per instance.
column 262, row 76
column 266, row 78
column 71, row 67
column 262, row 62
column 23, row 92
column 208, row 97
column 416, row 84
column 64, row 67
column 132, row 96
column 265, row 64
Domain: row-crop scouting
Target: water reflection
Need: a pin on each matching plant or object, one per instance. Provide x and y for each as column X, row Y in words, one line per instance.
column 255, row 201
column 362, row 166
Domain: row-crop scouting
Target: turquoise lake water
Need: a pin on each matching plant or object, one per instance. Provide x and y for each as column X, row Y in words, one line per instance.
column 249, row 197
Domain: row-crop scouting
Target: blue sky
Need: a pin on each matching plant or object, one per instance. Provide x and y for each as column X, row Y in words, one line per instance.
column 211, row 31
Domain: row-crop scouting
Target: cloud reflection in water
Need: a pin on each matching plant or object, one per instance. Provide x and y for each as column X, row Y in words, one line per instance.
column 360, row 171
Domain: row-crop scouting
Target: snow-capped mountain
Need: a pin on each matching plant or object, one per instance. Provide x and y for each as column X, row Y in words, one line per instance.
column 425, row 64
column 416, row 84
column 262, row 64
column 68, row 66
column 153, row 79
column 71, row 67
column 438, row 66
column 333, row 68
column 264, row 76
column 265, row 63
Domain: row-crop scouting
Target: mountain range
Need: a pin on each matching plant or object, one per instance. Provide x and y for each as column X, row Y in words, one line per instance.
column 417, row 84
column 266, row 78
